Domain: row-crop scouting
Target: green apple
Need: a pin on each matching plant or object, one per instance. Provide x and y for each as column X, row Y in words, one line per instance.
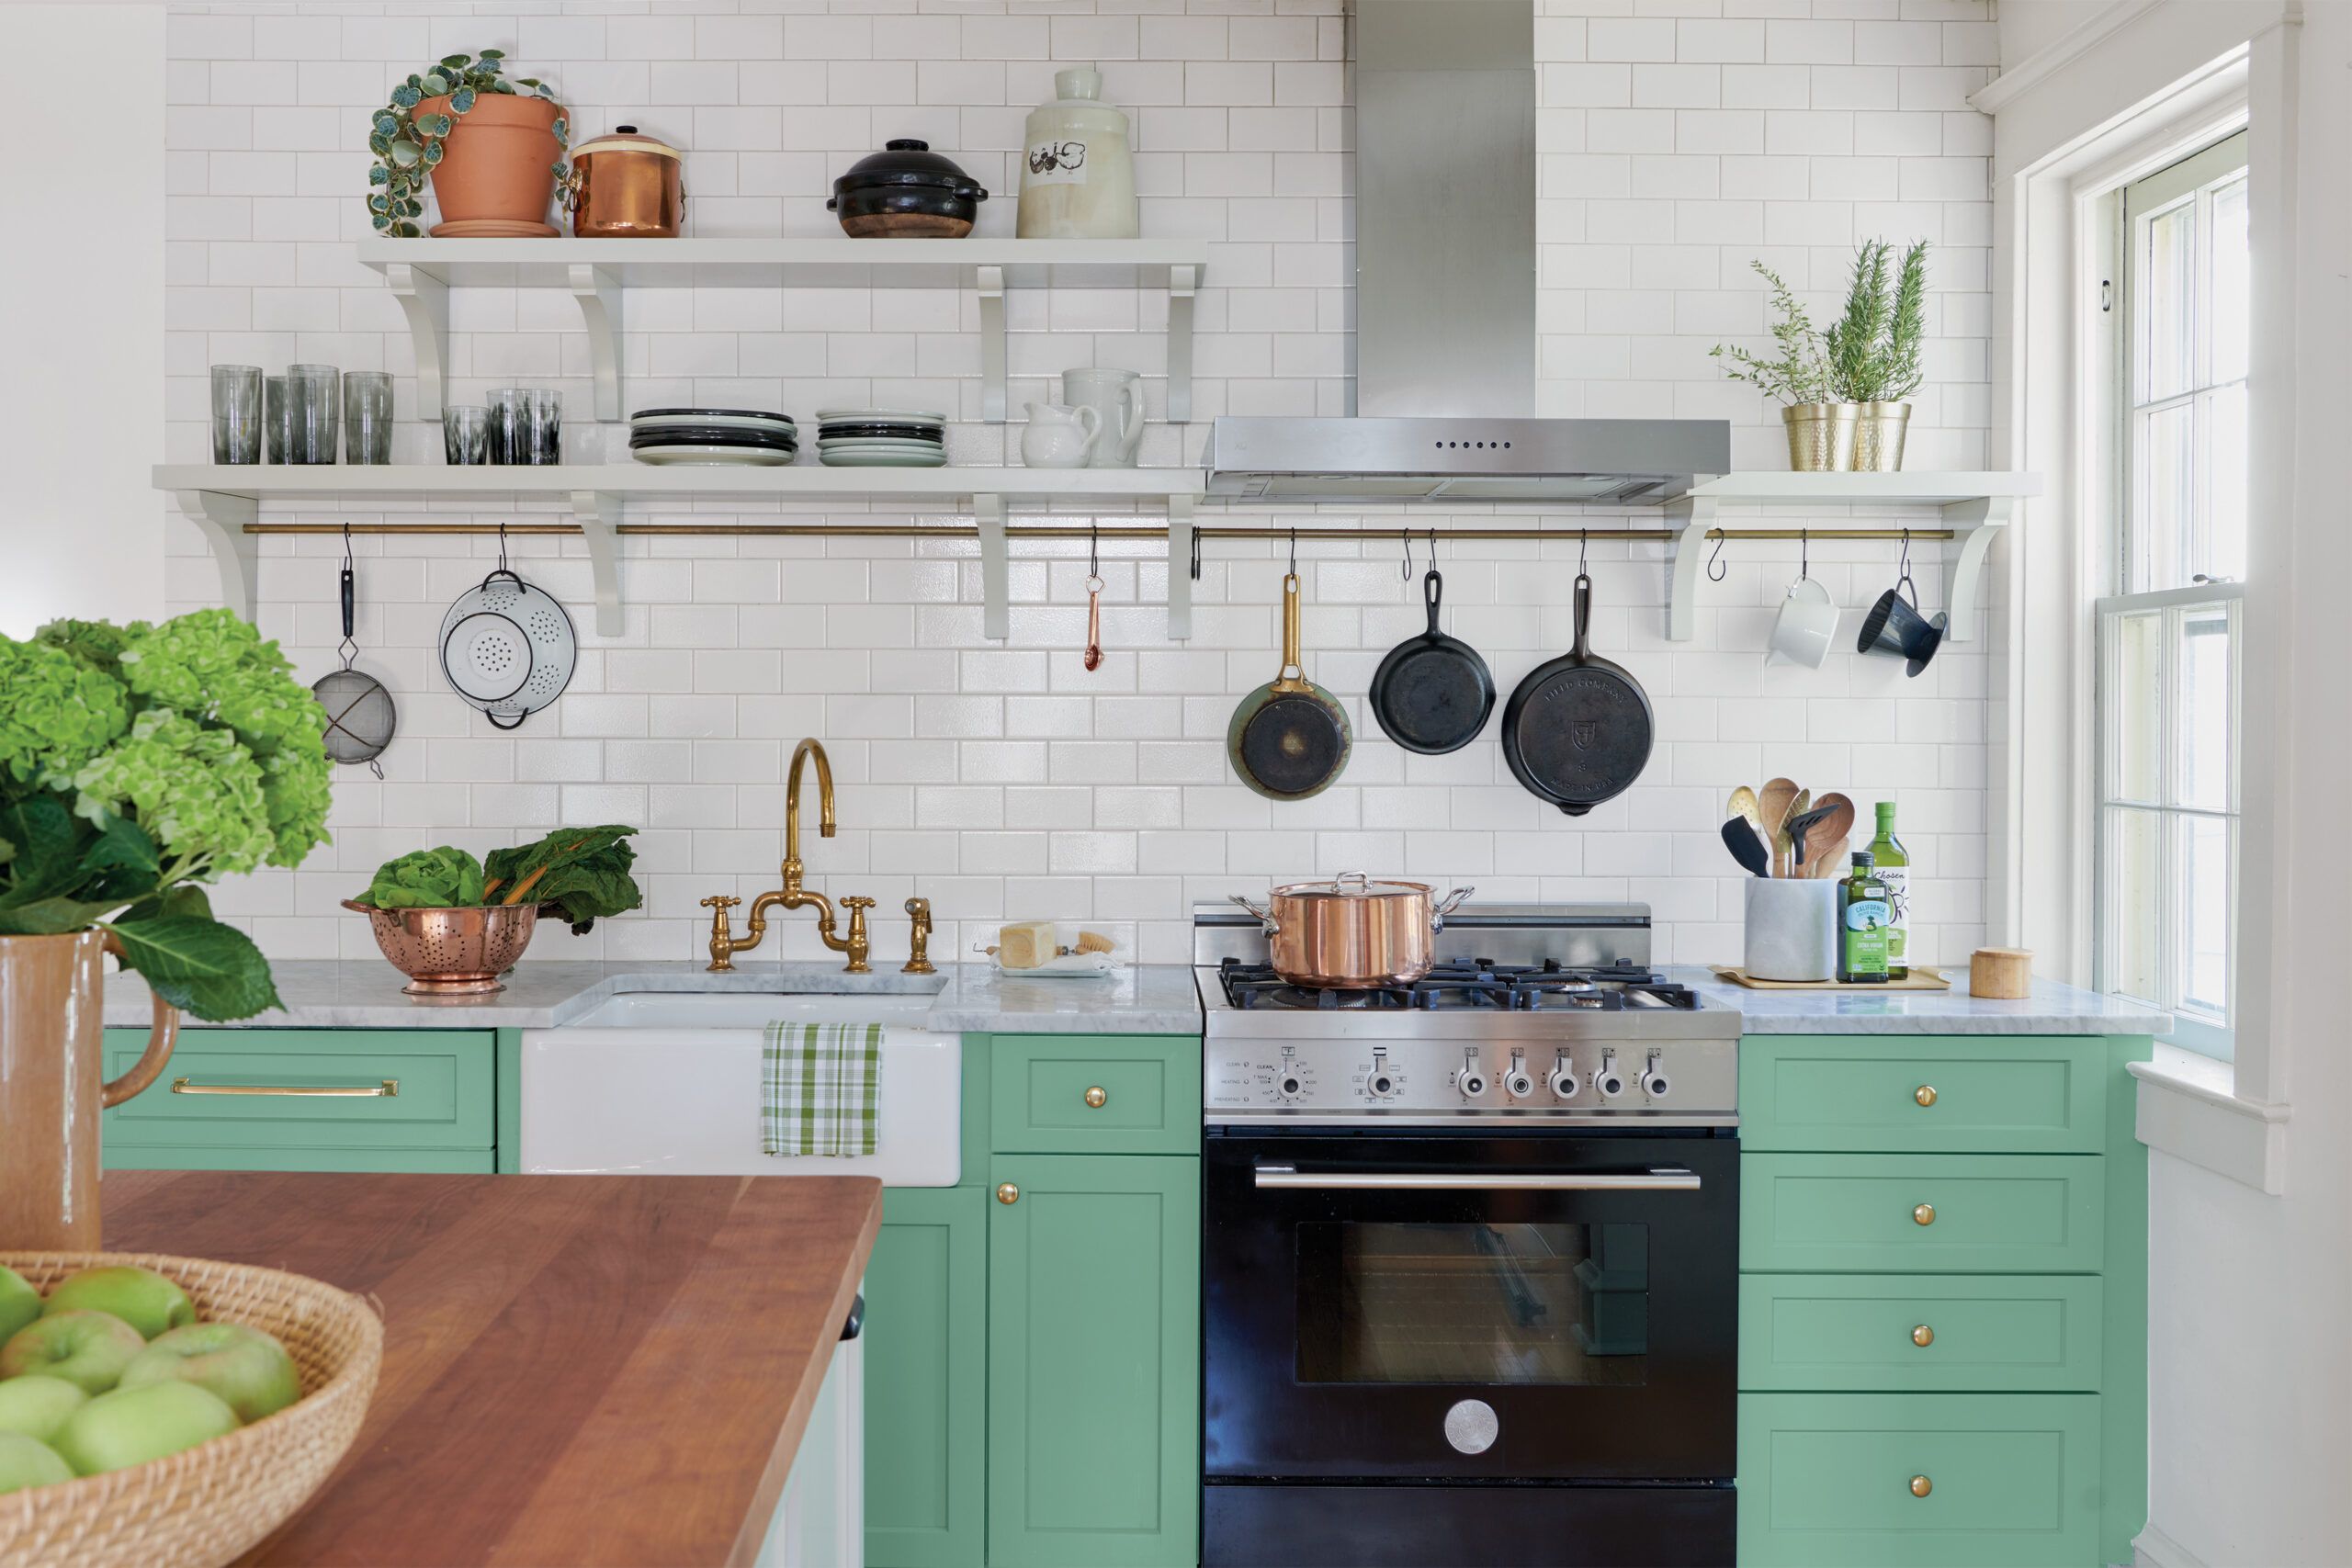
column 88, row 1349
column 247, row 1368
column 37, row 1406
column 131, row 1426
column 141, row 1297
column 27, row 1461
column 20, row 1302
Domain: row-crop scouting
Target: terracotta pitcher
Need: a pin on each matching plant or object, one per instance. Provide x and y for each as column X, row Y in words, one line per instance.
column 53, row 1085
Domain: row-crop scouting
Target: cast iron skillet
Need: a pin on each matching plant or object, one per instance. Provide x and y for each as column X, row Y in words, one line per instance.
column 1433, row 694
column 1289, row 739
column 1578, row 730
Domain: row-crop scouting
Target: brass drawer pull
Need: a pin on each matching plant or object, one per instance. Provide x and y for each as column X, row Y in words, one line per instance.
column 1006, row 1193
column 383, row 1089
column 1925, row 1094
column 1097, row 1098
column 1921, row 1486
column 1924, row 1214
column 1923, row 1336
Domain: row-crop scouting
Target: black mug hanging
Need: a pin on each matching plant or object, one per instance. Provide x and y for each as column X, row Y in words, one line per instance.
column 1895, row 627
column 360, row 714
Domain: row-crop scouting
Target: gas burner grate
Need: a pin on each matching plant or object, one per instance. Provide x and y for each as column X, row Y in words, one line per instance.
column 1471, row 985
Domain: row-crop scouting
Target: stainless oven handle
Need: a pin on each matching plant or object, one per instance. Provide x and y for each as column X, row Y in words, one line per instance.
column 1672, row 1178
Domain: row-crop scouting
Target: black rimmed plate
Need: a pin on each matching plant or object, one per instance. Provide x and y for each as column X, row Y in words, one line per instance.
column 702, row 436
column 882, row 432
column 708, row 414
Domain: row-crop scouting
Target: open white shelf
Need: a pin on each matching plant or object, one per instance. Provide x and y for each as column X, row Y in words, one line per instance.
column 599, row 273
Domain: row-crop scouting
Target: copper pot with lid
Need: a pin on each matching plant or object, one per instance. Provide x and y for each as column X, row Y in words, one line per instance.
column 627, row 187
column 1351, row 933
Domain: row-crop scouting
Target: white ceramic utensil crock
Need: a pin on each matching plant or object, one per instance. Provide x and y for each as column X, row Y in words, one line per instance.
column 1791, row 929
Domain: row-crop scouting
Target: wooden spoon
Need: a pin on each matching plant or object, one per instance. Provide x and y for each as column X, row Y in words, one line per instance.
column 1825, row 841
column 1772, row 805
column 1783, row 842
column 1743, row 804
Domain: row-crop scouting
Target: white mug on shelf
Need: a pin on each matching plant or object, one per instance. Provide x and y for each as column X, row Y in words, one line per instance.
column 1791, row 929
column 1806, row 626
column 1116, row 398
column 1060, row 437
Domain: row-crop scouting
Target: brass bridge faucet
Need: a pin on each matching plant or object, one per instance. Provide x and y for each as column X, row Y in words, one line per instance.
column 725, row 945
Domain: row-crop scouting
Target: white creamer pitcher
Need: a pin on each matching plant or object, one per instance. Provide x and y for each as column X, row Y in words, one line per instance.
column 1059, row 437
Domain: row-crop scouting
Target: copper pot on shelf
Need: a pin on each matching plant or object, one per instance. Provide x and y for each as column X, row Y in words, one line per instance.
column 627, row 187
column 1351, row 933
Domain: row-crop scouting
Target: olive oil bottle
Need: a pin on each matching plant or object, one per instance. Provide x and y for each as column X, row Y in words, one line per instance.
column 1892, row 863
column 1862, row 914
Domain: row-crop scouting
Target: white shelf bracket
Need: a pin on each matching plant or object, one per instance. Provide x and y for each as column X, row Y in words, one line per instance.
column 599, row 295
column 995, row 574
column 1184, row 282
column 1690, row 518
column 992, row 361
column 222, row 518
column 425, row 301
column 598, row 513
column 1180, row 567
column 1973, row 526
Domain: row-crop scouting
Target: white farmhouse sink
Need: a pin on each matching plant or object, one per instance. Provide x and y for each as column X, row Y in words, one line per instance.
column 668, row 1083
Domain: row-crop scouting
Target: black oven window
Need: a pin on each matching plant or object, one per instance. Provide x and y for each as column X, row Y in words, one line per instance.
column 1473, row 1303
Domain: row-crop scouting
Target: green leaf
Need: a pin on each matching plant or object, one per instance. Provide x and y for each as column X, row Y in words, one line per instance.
column 462, row 99
column 44, row 838
column 381, row 221
column 406, row 231
column 380, row 144
column 378, row 174
column 506, row 87
column 433, row 151
column 406, row 152
column 529, row 82
column 55, row 916
column 434, row 124
column 407, row 97
column 434, row 84
column 387, row 121
column 457, row 62
column 187, row 899
column 494, row 54
column 562, row 127
column 412, row 208
column 201, row 966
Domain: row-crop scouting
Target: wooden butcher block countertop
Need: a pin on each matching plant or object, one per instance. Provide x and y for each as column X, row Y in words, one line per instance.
column 577, row 1369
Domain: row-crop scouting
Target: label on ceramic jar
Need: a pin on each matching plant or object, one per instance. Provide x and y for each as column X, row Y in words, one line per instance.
column 1058, row 163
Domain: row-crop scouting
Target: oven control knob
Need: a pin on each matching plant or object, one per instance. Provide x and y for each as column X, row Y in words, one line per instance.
column 1564, row 1082
column 1289, row 1085
column 1472, row 1084
column 1654, row 1083
column 1608, row 1080
column 1519, row 1086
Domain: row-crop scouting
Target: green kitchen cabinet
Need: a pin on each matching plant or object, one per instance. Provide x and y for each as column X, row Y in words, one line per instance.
column 926, row 1380
column 1921, row 1213
column 1093, row 1418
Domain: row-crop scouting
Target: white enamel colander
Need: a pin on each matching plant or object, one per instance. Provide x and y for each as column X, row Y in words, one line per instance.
column 507, row 648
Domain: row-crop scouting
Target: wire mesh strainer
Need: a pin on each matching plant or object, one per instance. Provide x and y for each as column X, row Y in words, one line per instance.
column 360, row 714
column 507, row 648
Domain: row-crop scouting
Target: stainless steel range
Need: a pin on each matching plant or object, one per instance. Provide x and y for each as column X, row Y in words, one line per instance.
column 1469, row 1253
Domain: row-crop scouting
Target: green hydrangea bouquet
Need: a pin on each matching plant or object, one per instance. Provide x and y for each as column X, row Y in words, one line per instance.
column 137, row 764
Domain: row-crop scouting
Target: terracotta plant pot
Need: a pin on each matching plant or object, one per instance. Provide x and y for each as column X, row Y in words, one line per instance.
column 53, row 1085
column 497, row 170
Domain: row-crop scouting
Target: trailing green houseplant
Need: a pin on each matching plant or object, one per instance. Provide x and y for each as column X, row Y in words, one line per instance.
column 137, row 764
column 410, row 135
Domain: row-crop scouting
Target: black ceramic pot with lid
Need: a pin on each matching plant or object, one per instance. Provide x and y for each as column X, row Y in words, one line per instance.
column 906, row 191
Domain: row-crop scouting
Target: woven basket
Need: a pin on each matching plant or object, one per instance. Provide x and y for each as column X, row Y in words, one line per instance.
column 208, row 1504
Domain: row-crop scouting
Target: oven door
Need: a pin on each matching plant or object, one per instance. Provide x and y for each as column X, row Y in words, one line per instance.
column 1555, row 1307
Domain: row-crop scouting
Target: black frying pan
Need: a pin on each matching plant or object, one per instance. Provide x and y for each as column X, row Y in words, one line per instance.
column 1289, row 739
column 1433, row 694
column 1578, row 730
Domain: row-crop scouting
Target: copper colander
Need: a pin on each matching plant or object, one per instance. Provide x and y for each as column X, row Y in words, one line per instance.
column 451, row 953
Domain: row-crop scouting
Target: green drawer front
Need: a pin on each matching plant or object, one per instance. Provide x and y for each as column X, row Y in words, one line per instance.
column 444, row 1100
column 1150, row 1084
column 1825, row 1479
column 1855, row 1214
column 1988, row 1094
column 2023, row 1333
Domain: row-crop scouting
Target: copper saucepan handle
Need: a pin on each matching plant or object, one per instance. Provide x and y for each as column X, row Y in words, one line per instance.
column 1446, row 906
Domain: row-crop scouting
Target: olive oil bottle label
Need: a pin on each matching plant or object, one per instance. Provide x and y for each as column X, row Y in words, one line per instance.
column 1897, row 880
column 1865, row 936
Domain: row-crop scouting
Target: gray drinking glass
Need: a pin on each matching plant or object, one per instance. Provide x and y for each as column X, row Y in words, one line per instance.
column 367, row 416
column 465, row 434
column 509, row 425
column 236, row 413
column 544, row 407
column 278, row 417
column 314, row 418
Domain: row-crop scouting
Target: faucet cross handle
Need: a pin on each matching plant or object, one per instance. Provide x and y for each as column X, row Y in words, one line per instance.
column 722, row 931
column 720, row 901
column 856, row 939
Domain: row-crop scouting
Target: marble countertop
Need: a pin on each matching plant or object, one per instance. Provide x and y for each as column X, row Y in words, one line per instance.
column 2052, row 1008
column 1148, row 999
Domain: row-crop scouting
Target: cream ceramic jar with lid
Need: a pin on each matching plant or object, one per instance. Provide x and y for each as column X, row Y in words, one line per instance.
column 1078, row 172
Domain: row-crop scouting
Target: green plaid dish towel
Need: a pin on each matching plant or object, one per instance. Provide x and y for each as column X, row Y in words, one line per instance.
column 819, row 1084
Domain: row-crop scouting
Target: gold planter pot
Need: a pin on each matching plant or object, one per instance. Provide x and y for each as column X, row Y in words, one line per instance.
column 1878, row 436
column 1821, row 436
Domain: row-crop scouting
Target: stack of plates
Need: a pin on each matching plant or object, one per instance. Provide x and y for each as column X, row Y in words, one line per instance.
column 713, row 437
column 881, row 438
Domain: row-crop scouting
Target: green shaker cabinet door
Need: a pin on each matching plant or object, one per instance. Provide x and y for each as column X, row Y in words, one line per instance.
column 1094, row 1368
column 926, row 1381
column 1906, row 1093
column 1923, row 1481
column 1921, row 1213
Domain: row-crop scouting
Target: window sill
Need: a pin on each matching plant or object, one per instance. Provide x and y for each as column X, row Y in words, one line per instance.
column 2189, row 1109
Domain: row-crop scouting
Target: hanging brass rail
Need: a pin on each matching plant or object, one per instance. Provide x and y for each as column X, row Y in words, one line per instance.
column 1205, row 531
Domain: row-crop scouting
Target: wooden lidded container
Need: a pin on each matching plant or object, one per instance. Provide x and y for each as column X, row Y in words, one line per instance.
column 627, row 187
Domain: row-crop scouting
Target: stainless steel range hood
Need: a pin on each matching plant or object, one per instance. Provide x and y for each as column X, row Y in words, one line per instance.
column 1445, row 298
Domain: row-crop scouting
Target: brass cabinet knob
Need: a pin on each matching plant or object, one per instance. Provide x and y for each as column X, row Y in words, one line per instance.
column 1097, row 1098
column 1925, row 1094
column 1924, row 1214
column 1921, row 1486
column 1923, row 1336
column 1006, row 1193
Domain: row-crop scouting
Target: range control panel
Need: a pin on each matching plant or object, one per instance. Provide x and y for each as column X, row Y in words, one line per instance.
column 1687, row 1081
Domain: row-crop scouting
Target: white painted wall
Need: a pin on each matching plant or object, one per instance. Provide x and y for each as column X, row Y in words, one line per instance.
column 82, row 315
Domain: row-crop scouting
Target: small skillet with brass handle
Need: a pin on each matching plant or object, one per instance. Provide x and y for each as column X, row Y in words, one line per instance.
column 1289, row 739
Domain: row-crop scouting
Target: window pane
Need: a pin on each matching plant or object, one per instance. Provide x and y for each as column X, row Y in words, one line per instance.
column 2163, row 497
column 2203, row 778
column 2205, row 919
column 2168, row 304
column 2231, row 288
column 2224, row 551
column 2134, row 700
column 2133, row 940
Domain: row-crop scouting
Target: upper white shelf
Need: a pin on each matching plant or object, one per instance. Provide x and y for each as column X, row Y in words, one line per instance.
column 1925, row 488
column 802, row 482
column 421, row 272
